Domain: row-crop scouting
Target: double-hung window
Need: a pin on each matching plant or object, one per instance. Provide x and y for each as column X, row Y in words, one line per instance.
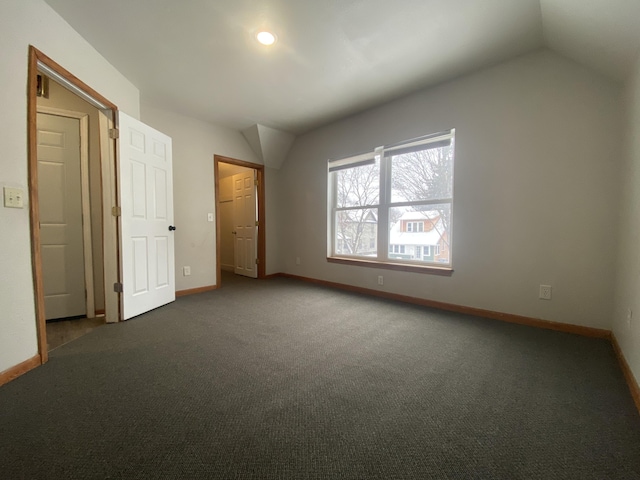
column 396, row 198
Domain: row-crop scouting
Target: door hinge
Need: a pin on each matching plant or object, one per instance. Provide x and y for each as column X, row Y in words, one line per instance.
column 257, row 223
column 255, row 182
column 116, row 211
column 257, row 261
column 114, row 133
column 117, row 287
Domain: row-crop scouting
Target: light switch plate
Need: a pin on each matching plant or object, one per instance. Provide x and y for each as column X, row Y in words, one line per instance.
column 210, row 217
column 13, row 197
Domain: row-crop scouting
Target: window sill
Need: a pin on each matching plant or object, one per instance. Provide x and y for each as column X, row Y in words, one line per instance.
column 403, row 267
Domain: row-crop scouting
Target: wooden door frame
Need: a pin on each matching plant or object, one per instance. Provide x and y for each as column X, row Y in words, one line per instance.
column 260, row 195
column 86, row 208
column 36, row 57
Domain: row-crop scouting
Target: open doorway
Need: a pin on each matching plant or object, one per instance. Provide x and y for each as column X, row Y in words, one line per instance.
column 71, row 190
column 240, row 214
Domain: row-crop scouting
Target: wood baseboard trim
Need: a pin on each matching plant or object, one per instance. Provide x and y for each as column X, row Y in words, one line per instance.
column 191, row 291
column 634, row 388
column 273, row 275
column 451, row 307
column 20, row 369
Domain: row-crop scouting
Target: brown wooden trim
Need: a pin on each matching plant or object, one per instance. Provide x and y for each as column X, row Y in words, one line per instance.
column 34, row 211
column 216, row 196
column 451, row 307
column 403, row 267
column 20, row 369
column 626, row 370
column 240, row 163
column 262, row 217
column 191, row 291
column 100, row 312
column 273, row 275
column 71, row 77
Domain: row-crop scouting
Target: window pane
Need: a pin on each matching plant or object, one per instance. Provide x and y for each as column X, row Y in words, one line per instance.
column 422, row 175
column 429, row 242
column 358, row 186
column 356, row 232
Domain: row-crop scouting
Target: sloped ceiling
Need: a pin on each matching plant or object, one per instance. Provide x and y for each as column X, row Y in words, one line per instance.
column 334, row 58
column 601, row 34
column 270, row 145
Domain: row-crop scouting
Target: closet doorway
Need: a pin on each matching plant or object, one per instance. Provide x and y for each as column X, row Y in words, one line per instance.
column 240, row 213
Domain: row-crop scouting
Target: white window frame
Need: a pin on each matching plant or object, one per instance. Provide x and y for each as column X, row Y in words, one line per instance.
column 384, row 155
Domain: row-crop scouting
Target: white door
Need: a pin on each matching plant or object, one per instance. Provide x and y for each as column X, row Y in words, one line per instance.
column 146, row 200
column 60, row 205
column 246, row 230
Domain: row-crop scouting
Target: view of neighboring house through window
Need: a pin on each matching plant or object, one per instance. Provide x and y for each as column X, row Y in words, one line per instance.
column 394, row 204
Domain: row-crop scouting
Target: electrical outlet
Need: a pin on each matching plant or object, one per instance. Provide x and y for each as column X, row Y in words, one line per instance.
column 380, row 280
column 545, row 292
column 210, row 217
column 297, row 260
column 186, row 271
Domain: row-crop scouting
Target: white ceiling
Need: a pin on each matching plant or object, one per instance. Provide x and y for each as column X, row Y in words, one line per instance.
column 334, row 57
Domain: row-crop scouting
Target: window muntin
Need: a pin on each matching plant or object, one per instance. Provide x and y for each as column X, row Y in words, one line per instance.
column 394, row 204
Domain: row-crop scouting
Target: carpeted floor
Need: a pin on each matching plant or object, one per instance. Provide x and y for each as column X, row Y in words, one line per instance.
column 279, row 379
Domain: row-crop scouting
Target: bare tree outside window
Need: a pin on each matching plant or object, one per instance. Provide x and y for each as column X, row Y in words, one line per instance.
column 425, row 175
column 358, row 227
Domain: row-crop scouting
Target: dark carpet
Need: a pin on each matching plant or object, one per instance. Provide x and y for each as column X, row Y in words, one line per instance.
column 282, row 379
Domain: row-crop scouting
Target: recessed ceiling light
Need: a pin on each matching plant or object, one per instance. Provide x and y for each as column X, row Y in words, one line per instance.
column 266, row 38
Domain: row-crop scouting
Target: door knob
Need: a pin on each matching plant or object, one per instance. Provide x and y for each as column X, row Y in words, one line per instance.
column 171, row 228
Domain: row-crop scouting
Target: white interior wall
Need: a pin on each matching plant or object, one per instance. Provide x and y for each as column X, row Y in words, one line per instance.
column 627, row 330
column 194, row 145
column 536, row 174
column 275, row 198
column 25, row 22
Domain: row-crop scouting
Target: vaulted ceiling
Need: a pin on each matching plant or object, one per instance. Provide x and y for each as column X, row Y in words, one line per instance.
column 334, row 58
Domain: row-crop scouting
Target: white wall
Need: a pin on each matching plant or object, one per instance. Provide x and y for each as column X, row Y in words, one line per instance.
column 194, row 145
column 275, row 198
column 25, row 22
column 627, row 331
column 537, row 161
